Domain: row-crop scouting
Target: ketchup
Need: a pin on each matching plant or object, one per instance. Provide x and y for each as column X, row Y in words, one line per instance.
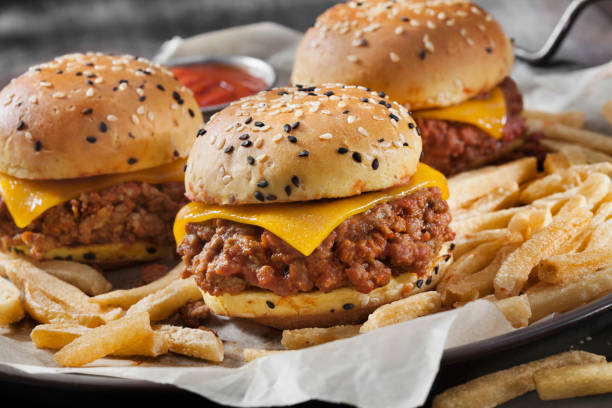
column 215, row 83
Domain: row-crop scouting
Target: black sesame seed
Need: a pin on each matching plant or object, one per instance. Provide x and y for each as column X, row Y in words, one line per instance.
column 452, row 246
column 131, row 136
column 270, row 304
column 91, row 76
column 37, row 146
column 405, row 144
column 292, row 139
column 428, row 281
column 132, row 160
column 411, row 125
column 387, row 105
column 191, row 112
column 249, row 119
column 295, row 125
column 288, row 190
column 287, row 128
column 21, row 125
column 382, row 102
column 87, row 111
column 176, row 96
column 363, row 99
column 357, row 157
column 259, row 124
column 312, row 94
column 348, row 306
column 447, row 257
column 419, row 283
column 89, row 256
column 382, row 94
column 328, row 93
column 263, row 183
column 176, row 153
column 299, row 86
column 184, row 168
column 228, row 149
column 489, row 50
column 332, row 310
column 363, row 42
column 160, row 87
column 151, row 250
column 345, row 112
column 78, row 73
column 201, row 132
column 250, row 160
column 142, row 99
column 89, row 64
column 421, row 156
column 89, row 82
column 283, row 93
column 246, row 143
column 436, row 269
column 91, row 139
column 418, row 130
column 141, row 85
column 115, row 89
column 342, row 150
column 406, row 19
column 422, row 54
column 123, row 81
column 295, row 180
column 59, row 71
column 375, row 164
column 394, row 117
column 303, row 153
column 244, row 136
column 259, row 196
column 309, row 89
column 103, row 127
column 381, row 140
column 270, row 197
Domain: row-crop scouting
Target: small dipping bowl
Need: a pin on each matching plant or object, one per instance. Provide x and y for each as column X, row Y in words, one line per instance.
column 216, row 81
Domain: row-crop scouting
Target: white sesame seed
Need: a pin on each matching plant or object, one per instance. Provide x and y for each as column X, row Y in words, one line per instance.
column 463, row 32
column 33, row 99
column 140, row 110
column 174, row 106
column 98, row 80
column 475, row 10
column 59, row 95
column 112, row 118
column 45, row 84
column 352, row 58
column 123, row 86
column 481, row 27
column 70, row 108
column 488, row 18
column 226, row 179
column 428, row 44
column 399, row 30
column 258, row 142
column 135, row 119
column 441, row 15
column 414, row 23
column 363, row 131
column 430, row 25
column 341, row 104
column 394, row 57
column 469, row 41
column 298, row 113
column 397, row 143
column 450, row 22
column 461, row 13
column 277, row 138
column 90, row 92
column 116, row 68
column 262, row 158
column 139, row 91
column 430, row 12
column 325, row 136
column 350, row 119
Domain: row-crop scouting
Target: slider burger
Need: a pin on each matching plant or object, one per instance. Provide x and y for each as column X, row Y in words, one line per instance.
column 310, row 208
column 446, row 61
column 92, row 158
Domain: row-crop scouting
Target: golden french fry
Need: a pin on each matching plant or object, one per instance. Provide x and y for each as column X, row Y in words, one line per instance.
column 494, row 389
column 557, row 131
column 163, row 303
column 84, row 277
column 573, row 381
column 131, row 332
column 560, row 269
column 11, row 308
column 592, row 156
column 198, row 343
column 546, row 298
column 602, row 213
column 125, row 298
column 469, row 241
column 492, row 220
column 470, row 185
column 516, row 309
column 409, row 308
column 527, row 222
column 311, row 336
column 251, row 354
column 502, row 197
column 515, row 270
column 574, row 119
column 56, row 335
column 606, row 111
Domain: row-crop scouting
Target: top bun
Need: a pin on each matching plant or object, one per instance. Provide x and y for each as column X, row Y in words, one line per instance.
column 299, row 144
column 84, row 115
column 423, row 54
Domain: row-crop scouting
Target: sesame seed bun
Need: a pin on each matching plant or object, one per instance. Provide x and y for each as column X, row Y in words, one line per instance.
column 423, row 54
column 83, row 115
column 292, row 144
column 319, row 309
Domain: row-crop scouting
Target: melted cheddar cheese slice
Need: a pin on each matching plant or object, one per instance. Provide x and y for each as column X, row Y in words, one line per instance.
column 28, row 199
column 488, row 114
column 304, row 225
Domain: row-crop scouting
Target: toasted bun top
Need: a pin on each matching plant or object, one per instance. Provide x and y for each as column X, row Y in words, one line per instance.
column 423, row 54
column 89, row 114
column 298, row 144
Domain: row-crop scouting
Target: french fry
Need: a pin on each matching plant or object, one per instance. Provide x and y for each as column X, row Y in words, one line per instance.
column 558, row 131
column 492, row 220
column 514, row 271
column 592, row 156
column 502, row 197
column 527, row 222
column 125, row 298
column 574, row 119
column 163, row 303
column 573, row 381
column 409, row 308
column 131, row 332
column 516, row 309
column 77, row 274
column 11, row 308
column 470, row 185
column 311, row 336
column 198, row 343
column 466, row 242
column 251, row 354
column 606, row 111
column 546, row 298
column 563, row 268
column 494, row 389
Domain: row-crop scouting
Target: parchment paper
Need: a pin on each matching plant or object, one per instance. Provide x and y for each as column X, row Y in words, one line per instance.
column 392, row 367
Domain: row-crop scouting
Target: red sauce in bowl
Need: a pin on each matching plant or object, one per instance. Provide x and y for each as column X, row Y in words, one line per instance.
column 215, row 83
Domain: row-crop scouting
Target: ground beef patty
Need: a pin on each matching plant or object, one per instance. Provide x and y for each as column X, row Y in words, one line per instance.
column 364, row 251
column 453, row 147
column 124, row 213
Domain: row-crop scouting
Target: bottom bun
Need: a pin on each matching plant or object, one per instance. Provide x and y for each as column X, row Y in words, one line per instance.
column 106, row 256
column 319, row 309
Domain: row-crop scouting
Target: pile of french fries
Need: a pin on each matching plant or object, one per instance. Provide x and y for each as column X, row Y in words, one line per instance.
column 118, row 323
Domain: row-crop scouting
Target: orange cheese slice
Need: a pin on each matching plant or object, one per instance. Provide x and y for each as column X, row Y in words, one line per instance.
column 28, row 199
column 488, row 114
column 304, row 225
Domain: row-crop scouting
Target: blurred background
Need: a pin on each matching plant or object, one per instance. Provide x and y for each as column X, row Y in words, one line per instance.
column 33, row 31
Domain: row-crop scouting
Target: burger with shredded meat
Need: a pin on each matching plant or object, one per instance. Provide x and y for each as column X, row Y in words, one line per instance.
column 92, row 158
column 309, row 207
column 448, row 62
